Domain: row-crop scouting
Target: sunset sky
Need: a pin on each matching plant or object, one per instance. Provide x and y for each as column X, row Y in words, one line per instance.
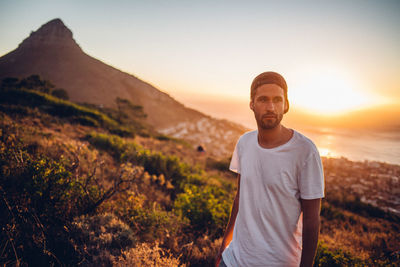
column 337, row 56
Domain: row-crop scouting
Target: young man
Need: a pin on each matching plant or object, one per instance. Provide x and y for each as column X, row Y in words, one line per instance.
column 275, row 213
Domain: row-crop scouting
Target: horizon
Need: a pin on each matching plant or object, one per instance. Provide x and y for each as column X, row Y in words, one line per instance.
column 385, row 117
column 328, row 78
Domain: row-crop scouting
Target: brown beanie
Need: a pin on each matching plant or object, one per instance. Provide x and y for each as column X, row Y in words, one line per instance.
column 268, row 77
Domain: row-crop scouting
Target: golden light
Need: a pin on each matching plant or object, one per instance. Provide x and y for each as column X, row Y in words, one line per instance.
column 326, row 152
column 329, row 93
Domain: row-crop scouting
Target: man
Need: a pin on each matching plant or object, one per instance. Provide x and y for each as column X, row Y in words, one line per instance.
column 275, row 214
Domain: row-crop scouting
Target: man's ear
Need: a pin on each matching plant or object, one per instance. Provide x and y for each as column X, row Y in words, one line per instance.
column 286, row 106
column 252, row 105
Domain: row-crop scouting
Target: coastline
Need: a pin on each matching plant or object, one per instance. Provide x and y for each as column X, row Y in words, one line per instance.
column 372, row 182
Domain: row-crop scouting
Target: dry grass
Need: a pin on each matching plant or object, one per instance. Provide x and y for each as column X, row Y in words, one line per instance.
column 365, row 237
column 146, row 255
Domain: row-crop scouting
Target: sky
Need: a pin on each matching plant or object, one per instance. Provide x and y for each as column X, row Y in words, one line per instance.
column 337, row 56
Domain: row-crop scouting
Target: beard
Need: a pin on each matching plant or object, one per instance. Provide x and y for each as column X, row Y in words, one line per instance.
column 269, row 120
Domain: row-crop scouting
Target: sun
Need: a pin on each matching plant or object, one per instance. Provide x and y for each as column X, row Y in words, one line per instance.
column 328, row 93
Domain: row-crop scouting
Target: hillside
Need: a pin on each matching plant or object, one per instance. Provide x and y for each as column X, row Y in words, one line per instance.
column 80, row 186
column 53, row 54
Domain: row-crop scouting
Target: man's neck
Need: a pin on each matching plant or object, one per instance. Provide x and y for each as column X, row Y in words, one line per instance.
column 270, row 138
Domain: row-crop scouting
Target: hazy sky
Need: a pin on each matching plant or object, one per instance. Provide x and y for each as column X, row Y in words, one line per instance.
column 335, row 55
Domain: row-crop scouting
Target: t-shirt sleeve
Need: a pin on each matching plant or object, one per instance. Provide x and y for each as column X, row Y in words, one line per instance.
column 311, row 179
column 235, row 163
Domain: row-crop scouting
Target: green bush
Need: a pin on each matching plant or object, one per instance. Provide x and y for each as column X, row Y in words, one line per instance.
column 170, row 166
column 206, row 207
column 149, row 222
column 113, row 144
column 335, row 258
column 45, row 185
column 153, row 162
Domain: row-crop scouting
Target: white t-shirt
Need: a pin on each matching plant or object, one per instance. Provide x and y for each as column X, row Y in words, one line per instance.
column 268, row 227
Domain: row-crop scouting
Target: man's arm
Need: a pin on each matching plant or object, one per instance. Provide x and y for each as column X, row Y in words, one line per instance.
column 231, row 224
column 311, row 210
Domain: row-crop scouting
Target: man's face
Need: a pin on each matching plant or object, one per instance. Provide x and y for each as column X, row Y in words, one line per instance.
column 268, row 106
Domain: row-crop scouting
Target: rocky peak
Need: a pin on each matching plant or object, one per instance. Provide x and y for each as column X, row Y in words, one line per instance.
column 53, row 33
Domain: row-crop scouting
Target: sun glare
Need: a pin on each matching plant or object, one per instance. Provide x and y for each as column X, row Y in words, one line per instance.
column 329, row 94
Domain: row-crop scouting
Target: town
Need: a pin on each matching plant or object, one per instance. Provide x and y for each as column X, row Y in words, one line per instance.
column 374, row 183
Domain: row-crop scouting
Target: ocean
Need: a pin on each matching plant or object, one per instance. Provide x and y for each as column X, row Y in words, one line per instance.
column 357, row 145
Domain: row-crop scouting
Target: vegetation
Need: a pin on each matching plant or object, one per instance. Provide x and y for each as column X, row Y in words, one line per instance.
column 78, row 188
column 40, row 198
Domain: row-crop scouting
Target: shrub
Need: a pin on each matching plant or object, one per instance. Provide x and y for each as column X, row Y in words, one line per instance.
column 38, row 197
column 150, row 223
column 170, row 166
column 154, row 163
column 145, row 255
column 101, row 237
column 115, row 145
column 206, row 207
column 201, row 251
column 332, row 258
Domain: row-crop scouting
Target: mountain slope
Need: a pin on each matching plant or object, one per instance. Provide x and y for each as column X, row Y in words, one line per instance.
column 52, row 53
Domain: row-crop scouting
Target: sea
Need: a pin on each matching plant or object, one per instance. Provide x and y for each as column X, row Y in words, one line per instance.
column 356, row 145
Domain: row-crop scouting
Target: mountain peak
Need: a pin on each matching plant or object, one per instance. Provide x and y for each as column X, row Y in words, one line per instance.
column 52, row 33
column 54, row 23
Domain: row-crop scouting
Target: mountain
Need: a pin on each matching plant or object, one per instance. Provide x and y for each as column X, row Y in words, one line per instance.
column 52, row 53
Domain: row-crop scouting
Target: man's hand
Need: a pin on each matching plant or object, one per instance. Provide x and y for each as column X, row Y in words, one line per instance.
column 231, row 224
column 218, row 259
column 311, row 209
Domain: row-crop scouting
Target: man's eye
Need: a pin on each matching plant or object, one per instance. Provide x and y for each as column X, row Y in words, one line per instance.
column 278, row 99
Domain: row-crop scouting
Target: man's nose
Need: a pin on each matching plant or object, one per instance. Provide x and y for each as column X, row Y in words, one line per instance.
column 269, row 105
